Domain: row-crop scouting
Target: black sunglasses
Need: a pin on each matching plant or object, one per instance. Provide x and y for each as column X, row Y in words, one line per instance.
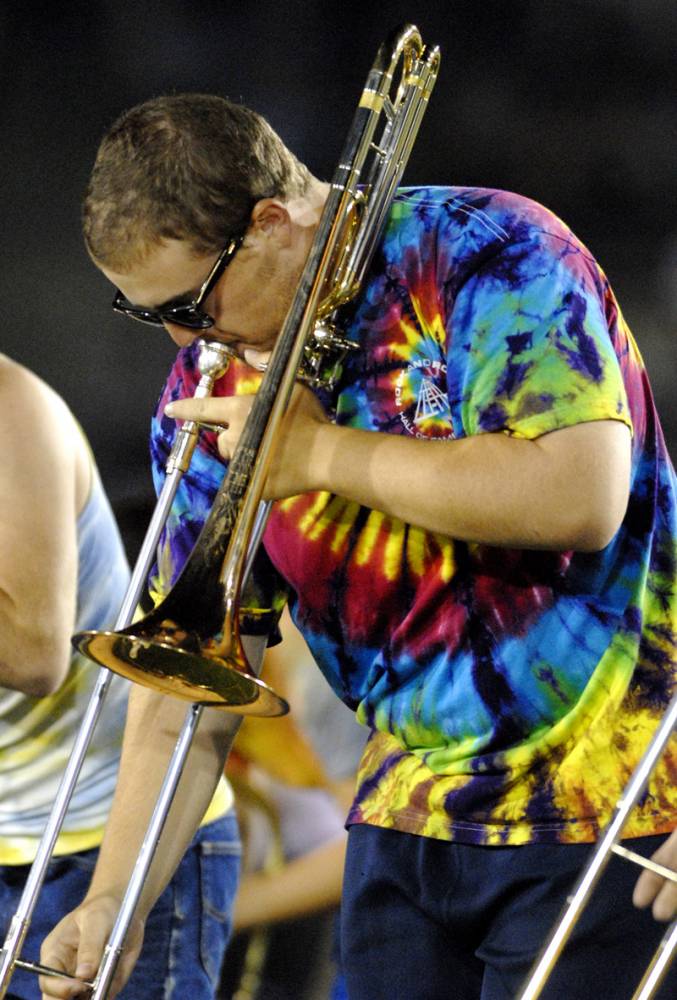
column 189, row 314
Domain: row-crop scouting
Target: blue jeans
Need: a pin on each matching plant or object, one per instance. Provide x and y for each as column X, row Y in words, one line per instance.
column 432, row 920
column 186, row 932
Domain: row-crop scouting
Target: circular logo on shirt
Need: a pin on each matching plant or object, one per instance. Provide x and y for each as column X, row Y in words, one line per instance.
column 421, row 399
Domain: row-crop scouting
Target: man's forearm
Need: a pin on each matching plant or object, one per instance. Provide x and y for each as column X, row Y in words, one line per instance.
column 565, row 490
column 153, row 724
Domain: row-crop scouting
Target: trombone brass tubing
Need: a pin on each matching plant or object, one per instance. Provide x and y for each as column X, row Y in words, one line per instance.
column 212, row 363
column 134, row 889
column 593, row 872
column 115, row 943
column 157, row 660
column 647, row 863
column 659, row 965
column 46, row 970
column 190, row 645
column 216, row 671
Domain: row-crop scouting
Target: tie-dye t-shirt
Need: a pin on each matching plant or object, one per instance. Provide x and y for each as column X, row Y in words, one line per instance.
column 510, row 692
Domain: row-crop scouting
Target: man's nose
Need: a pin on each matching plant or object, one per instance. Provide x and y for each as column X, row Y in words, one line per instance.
column 181, row 335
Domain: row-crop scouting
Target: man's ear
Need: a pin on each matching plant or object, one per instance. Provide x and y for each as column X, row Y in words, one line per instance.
column 271, row 219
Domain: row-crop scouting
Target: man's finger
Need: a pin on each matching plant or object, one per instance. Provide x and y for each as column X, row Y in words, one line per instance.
column 665, row 904
column 215, row 409
column 74, row 946
column 192, row 409
column 60, row 954
column 646, row 889
column 256, row 359
column 62, row 988
column 659, row 893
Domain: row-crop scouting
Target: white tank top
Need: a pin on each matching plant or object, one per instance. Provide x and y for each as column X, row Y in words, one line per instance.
column 37, row 734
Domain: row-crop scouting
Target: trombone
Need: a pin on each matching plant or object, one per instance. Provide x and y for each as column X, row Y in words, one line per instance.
column 190, row 645
column 606, row 845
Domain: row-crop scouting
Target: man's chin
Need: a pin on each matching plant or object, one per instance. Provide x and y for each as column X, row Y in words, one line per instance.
column 213, row 333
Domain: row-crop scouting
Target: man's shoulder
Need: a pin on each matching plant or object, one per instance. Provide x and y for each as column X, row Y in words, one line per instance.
column 32, row 405
column 20, row 383
column 490, row 213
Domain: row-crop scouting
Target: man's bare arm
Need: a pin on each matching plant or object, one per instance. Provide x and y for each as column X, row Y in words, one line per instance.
column 44, row 483
column 564, row 490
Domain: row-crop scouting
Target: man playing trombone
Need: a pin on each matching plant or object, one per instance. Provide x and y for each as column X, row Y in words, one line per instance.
column 479, row 548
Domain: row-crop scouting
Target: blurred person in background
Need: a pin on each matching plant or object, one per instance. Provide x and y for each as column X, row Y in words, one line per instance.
column 294, row 781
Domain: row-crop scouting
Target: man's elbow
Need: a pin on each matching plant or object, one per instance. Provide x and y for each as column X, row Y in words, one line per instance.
column 594, row 537
column 592, row 482
column 39, row 686
column 34, row 684
column 37, row 670
column 600, row 518
column 50, row 663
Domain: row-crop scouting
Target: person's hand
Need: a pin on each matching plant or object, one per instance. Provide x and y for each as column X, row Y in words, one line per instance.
column 76, row 945
column 659, row 893
column 291, row 469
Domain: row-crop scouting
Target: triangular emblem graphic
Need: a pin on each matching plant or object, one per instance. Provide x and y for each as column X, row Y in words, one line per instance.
column 431, row 401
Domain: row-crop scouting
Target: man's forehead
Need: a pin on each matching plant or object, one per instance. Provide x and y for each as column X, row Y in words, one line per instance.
column 169, row 271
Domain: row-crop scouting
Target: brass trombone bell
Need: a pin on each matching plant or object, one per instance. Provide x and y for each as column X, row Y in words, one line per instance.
column 180, row 667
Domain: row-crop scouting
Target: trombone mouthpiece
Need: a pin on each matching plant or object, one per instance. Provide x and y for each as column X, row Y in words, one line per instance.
column 213, row 358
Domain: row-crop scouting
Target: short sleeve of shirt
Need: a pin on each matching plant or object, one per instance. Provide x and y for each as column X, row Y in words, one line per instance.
column 529, row 347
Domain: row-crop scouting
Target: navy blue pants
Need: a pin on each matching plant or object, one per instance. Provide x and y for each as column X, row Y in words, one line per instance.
column 424, row 919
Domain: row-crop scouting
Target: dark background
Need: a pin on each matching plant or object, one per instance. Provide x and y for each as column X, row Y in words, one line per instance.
column 571, row 103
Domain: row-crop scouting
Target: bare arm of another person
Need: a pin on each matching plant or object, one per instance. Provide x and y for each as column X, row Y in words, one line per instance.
column 310, row 882
column 44, row 484
column 305, row 885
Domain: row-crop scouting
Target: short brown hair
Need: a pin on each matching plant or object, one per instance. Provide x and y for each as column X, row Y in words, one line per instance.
column 188, row 166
